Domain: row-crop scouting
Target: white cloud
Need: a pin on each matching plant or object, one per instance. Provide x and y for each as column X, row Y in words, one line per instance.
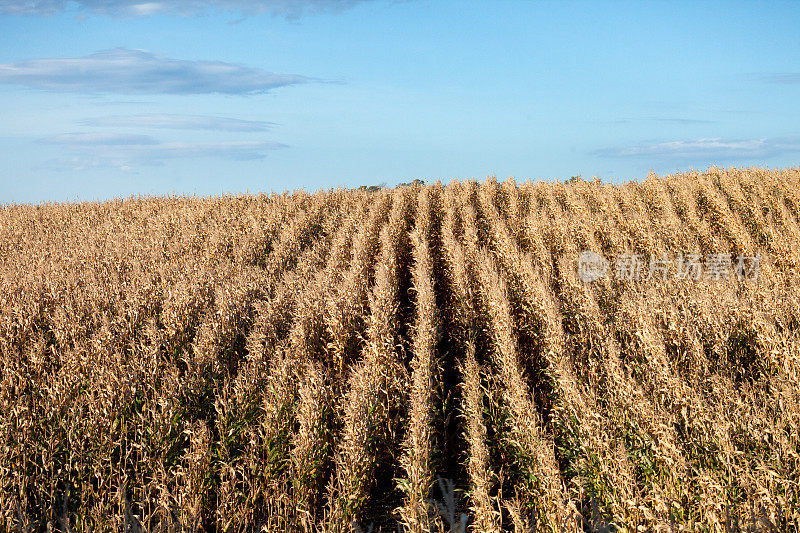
column 239, row 150
column 786, row 78
column 664, row 120
column 707, row 149
column 137, row 8
column 101, row 139
column 184, row 122
column 122, row 151
column 141, row 72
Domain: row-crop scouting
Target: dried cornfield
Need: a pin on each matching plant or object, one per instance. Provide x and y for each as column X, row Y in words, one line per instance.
column 424, row 358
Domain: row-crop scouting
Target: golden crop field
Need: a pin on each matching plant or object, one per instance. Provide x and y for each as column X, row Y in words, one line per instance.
column 423, row 358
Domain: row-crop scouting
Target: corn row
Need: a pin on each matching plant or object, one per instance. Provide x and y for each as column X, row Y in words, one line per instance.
column 375, row 386
column 417, row 459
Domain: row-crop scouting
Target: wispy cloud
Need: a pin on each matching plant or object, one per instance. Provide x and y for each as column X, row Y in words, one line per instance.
column 664, row 120
column 179, row 122
column 127, row 152
column 136, row 8
column 142, row 72
column 100, row 139
column 785, row 78
column 707, row 149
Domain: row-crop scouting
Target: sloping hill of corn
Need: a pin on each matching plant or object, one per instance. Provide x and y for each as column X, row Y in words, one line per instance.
column 317, row 362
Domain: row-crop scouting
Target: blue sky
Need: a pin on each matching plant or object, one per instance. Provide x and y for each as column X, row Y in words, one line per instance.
column 106, row 99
